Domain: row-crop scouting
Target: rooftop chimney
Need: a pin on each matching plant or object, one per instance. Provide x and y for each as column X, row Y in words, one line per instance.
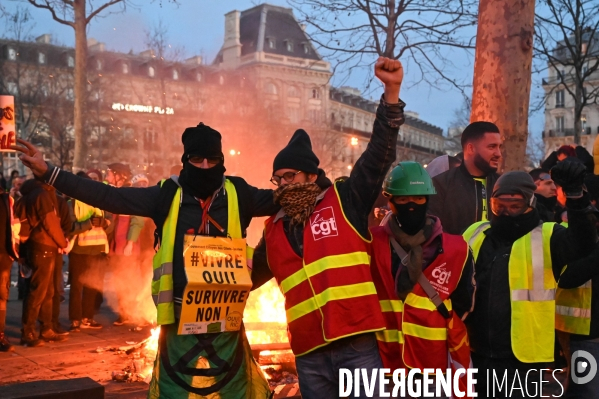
column 44, row 39
column 147, row 54
column 95, row 46
column 195, row 60
column 232, row 47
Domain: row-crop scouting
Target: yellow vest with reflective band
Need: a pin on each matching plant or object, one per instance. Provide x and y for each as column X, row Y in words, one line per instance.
column 95, row 236
column 162, row 280
column 532, row 289
column 573, row 307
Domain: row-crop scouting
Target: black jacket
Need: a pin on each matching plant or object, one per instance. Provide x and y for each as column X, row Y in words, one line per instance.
column 490, row 322
column 358, row 193
column 459, row 200
column 149, row 202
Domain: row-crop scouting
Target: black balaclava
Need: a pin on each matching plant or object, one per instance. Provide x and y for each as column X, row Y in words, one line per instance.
column 548, row 202
column 513, row 227
column 201, row 141
column 411, row 216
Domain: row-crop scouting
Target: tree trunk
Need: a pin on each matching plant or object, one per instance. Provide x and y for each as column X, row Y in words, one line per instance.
column 577, row 112
column 80, row 86
column 502, row 73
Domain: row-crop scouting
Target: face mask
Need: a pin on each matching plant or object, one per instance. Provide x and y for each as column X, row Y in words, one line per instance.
column 549, row 202
column 411, row 216
column 483, row 165
column 202, row 182
column 514, row 227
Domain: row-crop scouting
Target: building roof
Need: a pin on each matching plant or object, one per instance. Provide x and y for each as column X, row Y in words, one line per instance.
column 344, row 96
column 270, row 29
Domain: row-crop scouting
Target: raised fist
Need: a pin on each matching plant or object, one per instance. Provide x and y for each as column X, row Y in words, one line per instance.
column 389, row 71
column 570, row 176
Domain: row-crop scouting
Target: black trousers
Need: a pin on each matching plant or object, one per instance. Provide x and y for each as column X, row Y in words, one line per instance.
column 87, row 284
column 41, row 289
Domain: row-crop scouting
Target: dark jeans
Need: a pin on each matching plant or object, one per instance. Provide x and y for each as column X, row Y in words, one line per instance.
column 5, row 266
column 41, row 290
column 58, row 289
column 509, row 367
column 318, row 371
column 87, row 283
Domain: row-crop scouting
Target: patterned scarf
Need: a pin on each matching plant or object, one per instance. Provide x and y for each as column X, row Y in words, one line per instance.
column 297, row 200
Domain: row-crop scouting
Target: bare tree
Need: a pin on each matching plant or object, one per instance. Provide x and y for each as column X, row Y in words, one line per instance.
column 567, row 40
column 77, row 14
column 502, row 73
column 424, row 34
column 535, row 150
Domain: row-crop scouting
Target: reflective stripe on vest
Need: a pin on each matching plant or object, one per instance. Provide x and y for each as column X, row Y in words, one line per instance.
column 532, row 287
column 162, row 280
column 573, row 309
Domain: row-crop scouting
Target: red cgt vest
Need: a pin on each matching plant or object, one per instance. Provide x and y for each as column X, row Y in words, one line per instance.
column 416, row 333
column 329, row 294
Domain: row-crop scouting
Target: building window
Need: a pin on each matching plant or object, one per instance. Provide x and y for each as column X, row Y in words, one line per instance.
column 41, row 58
column 270, row 88
column 12, row 88
column 314, row 115
column 149, row 138
column 306, row 48
column 271, row 43
column 315, row 94
column 175, row 74
column 221, row 80
column 70, row 95
column 12, row 54
column 98, row 65
column 70, row 61
column 559, row 124
column 125, row 68
column 199, row 77
column 151, row 72
column 289, row 45
column 559, row 99
column 292, row 92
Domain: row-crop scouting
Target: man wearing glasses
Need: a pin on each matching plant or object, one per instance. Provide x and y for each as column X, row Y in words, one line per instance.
column 199, row 203
column 317, row 249
column 518, row 260
column 545, row 194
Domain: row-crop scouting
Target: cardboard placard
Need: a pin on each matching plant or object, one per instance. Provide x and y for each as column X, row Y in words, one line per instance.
column 218, row 284
column 7, row 123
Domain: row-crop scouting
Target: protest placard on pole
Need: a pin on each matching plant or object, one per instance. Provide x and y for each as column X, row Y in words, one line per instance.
column 8, row 128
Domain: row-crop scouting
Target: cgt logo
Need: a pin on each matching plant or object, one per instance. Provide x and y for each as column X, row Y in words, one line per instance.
column 441, row 274
column 323, row 224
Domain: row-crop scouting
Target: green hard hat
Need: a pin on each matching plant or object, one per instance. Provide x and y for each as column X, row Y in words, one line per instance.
column 408, row 178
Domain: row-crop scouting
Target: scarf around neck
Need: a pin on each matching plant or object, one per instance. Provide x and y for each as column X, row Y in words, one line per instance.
column 297, row 200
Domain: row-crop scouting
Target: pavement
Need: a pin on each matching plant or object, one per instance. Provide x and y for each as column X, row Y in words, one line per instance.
column 75, row 357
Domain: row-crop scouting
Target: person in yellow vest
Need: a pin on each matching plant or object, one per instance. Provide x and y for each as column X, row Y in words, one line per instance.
column 518, row 260
column 424, row 278
column 317, row 248
column 198, row 204
column 88, row 242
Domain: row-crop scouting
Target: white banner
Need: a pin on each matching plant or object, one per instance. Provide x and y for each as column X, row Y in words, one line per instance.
column 7, row 123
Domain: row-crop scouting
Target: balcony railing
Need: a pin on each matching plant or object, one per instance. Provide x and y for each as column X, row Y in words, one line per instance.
column 566, row 132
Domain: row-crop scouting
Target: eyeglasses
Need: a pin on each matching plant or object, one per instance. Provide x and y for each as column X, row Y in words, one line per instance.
column 404, row 199
column 199, row 160
column 287, row 176
column 509, row 206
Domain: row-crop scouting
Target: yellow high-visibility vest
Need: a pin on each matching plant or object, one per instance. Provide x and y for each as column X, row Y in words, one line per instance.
column 532, row 289
column 95, row 236
column 573, row 307
column 162, row 280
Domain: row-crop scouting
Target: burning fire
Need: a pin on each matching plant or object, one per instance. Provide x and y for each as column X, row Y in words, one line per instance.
column 264, row 316
column 151, row 349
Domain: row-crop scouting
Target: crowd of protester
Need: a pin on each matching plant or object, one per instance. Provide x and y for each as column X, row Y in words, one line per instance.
column 462, row 267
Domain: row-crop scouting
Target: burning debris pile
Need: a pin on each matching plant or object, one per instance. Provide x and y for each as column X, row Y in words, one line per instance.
column 141, row 355
column 278, row 367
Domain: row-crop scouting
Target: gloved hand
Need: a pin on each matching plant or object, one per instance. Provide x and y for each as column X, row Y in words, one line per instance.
column 570, row 176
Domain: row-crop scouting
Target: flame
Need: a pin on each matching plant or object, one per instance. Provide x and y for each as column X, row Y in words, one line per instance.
column 151, row 350
column 264, row 315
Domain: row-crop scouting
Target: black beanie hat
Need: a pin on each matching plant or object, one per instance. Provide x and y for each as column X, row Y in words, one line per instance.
column 202, row 141
column 297, row 154
column 516, row 182
column 120, row 168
